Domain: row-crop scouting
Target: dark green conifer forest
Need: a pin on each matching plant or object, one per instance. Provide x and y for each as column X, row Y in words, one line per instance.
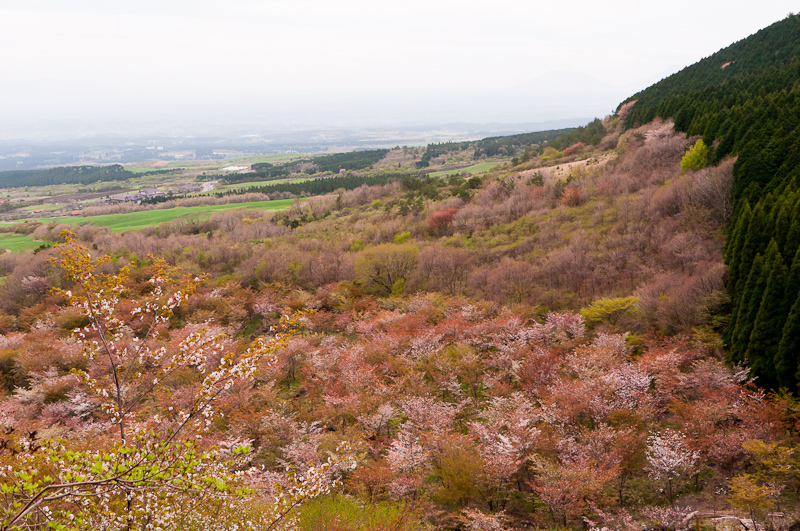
column 745, row 101
column 65, row 175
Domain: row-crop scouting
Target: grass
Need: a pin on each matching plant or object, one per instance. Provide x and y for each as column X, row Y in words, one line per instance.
column 152, row 218
column 44, row 208
column 472, row 170
column 18, row 242
column 145, row 170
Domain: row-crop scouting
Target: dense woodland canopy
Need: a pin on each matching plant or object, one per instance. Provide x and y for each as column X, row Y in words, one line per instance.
column 64, row 175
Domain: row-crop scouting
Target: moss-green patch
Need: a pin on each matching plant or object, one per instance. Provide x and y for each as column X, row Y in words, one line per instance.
column 472, row 170
column 346, row 513
column 18, row 242
column 152, row 218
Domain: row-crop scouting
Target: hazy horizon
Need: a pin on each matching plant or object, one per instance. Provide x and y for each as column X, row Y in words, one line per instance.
column 150, row 67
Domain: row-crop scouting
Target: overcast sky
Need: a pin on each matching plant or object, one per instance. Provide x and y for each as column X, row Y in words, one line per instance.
column 118, row 65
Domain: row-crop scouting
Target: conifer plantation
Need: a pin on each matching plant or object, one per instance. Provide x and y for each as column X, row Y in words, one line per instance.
column 750, row 108
column 585, row 328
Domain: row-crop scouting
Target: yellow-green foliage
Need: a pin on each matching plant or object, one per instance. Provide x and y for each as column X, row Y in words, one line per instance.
column 696, row 158
column 747, row 495
column 458, row 471
column 773, row 462
column 384, row 268
column 551, row 153
column 609, row 310
column 345, row 513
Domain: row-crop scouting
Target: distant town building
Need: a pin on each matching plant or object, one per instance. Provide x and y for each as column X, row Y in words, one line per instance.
column 144, row 193
column 150, row 192
column 123, row 198
column 189, row 188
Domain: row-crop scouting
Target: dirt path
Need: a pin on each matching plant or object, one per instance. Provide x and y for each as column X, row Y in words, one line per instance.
column 561, row 171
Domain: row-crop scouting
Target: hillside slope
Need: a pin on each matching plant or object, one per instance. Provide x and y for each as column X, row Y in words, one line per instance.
column 745, row 100
column 535, row 344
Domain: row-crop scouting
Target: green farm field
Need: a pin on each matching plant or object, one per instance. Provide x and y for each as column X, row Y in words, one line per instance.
column 249, row 184
column 152, row 218
column 144, row 170
column 18, row 242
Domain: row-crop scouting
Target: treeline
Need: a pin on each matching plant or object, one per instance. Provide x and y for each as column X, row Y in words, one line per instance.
column 435, row 150
column 590, row 134
column 751, row 108
column 355, row 160
column 170, row 171
column 264, row 172
column 754, row 115
column 318, row 186
column 774, row 46
column 64, row 175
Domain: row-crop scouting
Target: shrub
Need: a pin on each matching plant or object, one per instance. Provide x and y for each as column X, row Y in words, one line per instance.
column 384, row 268
column 609, row 310
column 440, row 220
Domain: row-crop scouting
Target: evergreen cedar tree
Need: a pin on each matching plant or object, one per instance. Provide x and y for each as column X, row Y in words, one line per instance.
column 751, row 108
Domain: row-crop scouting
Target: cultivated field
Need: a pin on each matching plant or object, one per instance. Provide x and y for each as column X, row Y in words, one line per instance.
column 18, row 242
column 152, row 218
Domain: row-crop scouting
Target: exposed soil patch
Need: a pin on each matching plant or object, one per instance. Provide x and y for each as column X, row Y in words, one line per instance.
column 561, row 171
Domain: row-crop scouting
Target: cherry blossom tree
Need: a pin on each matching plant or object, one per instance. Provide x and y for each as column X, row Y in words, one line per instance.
column 565, row 488
column 669, row 458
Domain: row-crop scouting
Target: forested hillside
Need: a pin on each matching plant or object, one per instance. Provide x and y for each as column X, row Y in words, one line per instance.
column 745, row 100
column 512, row 145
